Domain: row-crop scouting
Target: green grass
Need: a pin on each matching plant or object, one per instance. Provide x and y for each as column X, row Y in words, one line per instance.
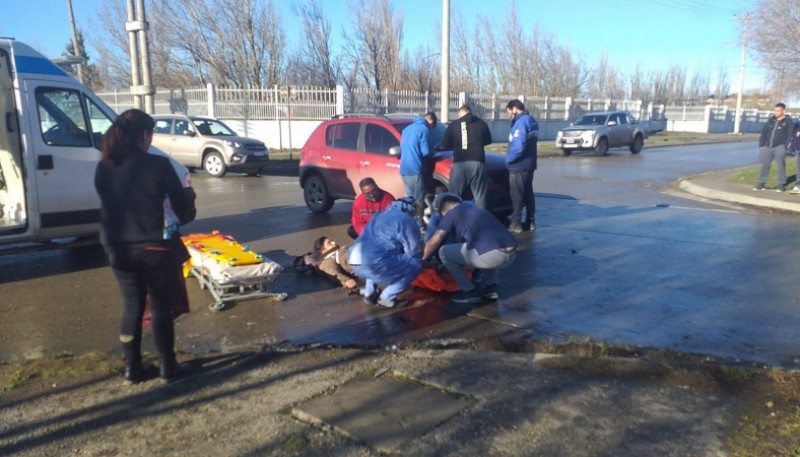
column 749, row 175
column 548, row 147
column 16, row 379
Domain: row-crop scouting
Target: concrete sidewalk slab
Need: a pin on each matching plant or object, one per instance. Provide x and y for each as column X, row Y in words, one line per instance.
column 383, row 413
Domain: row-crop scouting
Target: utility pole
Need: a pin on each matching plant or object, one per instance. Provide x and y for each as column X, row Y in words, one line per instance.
column 75, row 49
column 141, row 86
column 737, row 121
column 445, row 108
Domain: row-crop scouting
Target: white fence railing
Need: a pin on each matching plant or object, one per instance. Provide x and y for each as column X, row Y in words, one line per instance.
column 282, row 115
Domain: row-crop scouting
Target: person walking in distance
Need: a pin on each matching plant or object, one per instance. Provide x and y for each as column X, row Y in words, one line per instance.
column 467, row 136
column 521, row 165
column 776, row 136
column 132, row 185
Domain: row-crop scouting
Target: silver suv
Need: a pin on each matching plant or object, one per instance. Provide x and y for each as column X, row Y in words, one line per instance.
column 601, row 131
column 197, row 141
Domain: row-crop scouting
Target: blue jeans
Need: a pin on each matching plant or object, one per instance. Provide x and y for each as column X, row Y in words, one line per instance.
column 392, row 290
column 140, row 271
column 414, row 186
column 765, row 156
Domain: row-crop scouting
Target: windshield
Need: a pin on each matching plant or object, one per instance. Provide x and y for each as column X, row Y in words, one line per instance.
column 593, row 119
column 400, row 126
column 212, row 127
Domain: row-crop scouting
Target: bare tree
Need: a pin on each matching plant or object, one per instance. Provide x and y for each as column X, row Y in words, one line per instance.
column 239, row 42
column 723, row 86
column 776, row 43
column 698, row 88
column 419, row 72
column 314, row 63
column 605, row 81
column 375, row 43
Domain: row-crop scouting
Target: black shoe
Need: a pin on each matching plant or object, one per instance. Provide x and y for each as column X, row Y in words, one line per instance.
column 370, row 299
column 758, row 187
column 168, row 370
column 490, row 292
column 515, row 227
column 471, row 297
column 134, row 372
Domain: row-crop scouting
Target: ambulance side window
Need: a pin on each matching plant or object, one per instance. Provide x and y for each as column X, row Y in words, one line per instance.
column 62, row 118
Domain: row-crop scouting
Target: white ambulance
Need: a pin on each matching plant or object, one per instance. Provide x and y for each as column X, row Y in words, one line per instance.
column 50, row 138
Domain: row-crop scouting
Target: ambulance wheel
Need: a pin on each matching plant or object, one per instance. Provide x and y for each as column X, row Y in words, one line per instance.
column 218, row 306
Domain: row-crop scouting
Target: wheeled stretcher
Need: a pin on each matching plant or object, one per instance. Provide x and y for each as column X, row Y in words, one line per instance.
column 230, row 271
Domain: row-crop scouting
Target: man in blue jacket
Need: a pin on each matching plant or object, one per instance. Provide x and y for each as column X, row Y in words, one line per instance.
column 414, row 149
column 521, row 164
column 389, row 253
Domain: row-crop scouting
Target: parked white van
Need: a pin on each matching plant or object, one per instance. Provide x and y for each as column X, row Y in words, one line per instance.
column 50, row 138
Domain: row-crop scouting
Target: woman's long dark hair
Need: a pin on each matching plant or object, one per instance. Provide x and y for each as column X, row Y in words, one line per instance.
column 122, row 138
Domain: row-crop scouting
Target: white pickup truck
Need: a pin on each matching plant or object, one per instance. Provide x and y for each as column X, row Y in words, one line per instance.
column 600, row 131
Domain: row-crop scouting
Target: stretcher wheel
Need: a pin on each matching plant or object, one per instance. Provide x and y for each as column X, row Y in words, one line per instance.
column 218, row 306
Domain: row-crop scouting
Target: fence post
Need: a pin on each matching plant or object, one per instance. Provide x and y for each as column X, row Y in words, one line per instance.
column 494, row 107
column 547, row 107
column 608, row 105
column 276, row 98
column 427, row 101
column 339, row 99
column 567, row 106
column 385, row 101
column 212, row 99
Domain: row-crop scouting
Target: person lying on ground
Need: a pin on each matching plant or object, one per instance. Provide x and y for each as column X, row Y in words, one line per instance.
column 333, row 262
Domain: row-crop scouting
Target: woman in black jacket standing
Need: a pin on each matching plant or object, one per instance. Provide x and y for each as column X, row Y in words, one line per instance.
column 132, row 186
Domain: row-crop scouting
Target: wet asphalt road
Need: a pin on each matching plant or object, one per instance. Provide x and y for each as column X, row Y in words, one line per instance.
column 618, row 255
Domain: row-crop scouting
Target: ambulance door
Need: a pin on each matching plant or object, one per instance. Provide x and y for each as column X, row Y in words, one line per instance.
column 13, row 207
column 66, row 140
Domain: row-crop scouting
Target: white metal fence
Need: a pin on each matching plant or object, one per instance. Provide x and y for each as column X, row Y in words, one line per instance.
column 319, row 103
column 300, row 105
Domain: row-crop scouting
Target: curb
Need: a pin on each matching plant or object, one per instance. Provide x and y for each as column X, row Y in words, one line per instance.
column 713, row 194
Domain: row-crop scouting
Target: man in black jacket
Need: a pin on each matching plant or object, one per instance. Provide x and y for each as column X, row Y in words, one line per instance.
column 776, row 136
column 467, row 136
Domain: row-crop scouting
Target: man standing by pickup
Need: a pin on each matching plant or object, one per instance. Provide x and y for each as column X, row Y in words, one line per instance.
column 776, row 136
column 467, row 136
column 521, row 164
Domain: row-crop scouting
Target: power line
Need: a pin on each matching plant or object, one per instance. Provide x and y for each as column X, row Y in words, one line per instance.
column 694, row 7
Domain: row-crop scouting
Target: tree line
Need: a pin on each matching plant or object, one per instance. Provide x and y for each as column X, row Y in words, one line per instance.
column 244, row 43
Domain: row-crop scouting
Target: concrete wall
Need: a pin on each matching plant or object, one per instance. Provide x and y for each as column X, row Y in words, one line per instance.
column 275, row 134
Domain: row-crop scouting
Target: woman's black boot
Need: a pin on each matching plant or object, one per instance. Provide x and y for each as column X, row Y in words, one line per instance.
column 134, row 371
column 168, row 369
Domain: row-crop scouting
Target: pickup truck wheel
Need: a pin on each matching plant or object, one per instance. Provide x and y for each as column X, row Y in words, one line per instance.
column 214, row 165
column 566, row 152
column 316, row 194
column 602, row 147
column 253, row 171
column 638, row 142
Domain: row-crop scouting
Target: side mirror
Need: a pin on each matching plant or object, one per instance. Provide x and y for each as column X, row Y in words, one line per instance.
column 611, row 123
column 188, row 133
column 394, row 151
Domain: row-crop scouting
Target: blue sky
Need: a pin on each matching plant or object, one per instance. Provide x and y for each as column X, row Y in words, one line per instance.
column 698, row 34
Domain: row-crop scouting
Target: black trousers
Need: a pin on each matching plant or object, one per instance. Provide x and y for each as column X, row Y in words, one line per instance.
column 521, row 192
column 140, row 271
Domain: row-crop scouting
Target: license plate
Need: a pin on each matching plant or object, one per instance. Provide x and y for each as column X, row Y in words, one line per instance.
column 260, row 153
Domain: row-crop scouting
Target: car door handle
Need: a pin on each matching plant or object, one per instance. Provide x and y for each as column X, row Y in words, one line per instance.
column 326, row 157
column 363, row 163
column 44, row 162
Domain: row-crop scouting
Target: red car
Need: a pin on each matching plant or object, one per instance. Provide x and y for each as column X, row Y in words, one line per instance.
column 344, row 150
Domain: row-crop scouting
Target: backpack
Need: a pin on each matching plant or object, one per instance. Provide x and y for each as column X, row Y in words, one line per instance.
column 307, row 263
